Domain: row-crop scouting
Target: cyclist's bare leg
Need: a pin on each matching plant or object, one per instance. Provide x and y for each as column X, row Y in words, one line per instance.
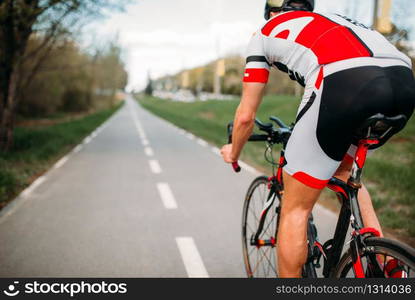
column 365, row 201
column 297, row 204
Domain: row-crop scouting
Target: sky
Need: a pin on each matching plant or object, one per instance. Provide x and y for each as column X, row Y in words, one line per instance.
column 161, row 37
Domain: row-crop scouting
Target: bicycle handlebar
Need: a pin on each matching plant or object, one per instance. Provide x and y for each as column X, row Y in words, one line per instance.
column 279, row 122
column 272, row 135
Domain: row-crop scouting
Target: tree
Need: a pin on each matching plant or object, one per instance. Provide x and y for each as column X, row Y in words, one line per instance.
column 19, row 20
column 149, row 88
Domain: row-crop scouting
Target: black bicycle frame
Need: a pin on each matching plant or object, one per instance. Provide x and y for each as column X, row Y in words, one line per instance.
column 348, row 198
column 349, row 214
column 371, row 134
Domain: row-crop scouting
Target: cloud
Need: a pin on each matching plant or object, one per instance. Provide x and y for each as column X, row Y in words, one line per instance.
column 165, row 51
column 164, row 36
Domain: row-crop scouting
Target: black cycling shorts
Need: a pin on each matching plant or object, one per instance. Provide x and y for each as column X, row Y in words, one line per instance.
column 335, row 106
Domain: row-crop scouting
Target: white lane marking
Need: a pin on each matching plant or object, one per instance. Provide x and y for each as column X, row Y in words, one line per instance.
column 94, row 134
column 145, row 142
column 77, row 149
column 182, row 131
column 140, row 130
column 138, row 125
column 33, row 186
column 22, row 198
column 87, row 140
column 202, row 143
column 190, row 136
column 155, row 166
column 167, row 196
column 61, row 162
column 148, row 151
column 191, row 258
column 244, row 165
column 248, row 168
column 216, row 150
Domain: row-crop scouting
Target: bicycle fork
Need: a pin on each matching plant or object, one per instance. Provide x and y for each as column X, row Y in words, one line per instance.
column 255, row 241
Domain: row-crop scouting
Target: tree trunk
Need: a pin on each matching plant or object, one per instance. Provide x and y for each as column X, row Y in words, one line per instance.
column 7, row 114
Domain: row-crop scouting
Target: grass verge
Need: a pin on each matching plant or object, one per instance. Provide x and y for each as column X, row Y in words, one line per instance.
column 36, row 148
column 390, row 172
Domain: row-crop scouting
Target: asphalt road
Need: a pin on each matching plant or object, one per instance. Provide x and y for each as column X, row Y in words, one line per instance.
column 139, row 198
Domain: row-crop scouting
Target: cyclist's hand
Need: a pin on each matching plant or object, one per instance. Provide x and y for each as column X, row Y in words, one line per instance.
column 226, row 152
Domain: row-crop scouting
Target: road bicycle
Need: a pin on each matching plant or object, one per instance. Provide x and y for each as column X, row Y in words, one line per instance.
column 365, row 254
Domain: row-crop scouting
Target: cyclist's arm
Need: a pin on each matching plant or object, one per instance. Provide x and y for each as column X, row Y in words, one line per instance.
column 252, row 94
column 255, row 77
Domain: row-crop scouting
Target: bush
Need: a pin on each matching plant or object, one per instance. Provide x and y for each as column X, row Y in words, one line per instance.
column 75, row 100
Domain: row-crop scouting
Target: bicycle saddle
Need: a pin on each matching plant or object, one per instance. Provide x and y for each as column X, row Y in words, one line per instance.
column 380, row 127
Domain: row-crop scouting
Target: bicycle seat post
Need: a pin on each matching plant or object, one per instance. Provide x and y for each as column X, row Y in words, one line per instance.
column 359, row 162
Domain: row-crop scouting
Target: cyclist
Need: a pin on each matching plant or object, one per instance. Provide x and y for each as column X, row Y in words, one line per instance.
column 350, row 72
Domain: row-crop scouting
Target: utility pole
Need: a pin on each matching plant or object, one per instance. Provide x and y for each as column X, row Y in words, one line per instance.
column 375, row 13
column 382, row 16
column 216, row 72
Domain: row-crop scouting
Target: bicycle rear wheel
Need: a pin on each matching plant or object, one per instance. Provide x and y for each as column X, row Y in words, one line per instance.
column 378, row 252
column 260, row 261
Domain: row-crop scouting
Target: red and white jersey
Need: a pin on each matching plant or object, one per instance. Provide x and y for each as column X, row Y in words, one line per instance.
column 300, row 42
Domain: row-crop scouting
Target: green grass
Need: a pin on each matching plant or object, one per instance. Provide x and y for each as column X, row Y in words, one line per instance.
column 36, row 149
column 390, row 172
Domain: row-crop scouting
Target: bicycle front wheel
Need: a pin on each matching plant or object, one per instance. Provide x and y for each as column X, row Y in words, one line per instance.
column 260, row 257
column 375, row 257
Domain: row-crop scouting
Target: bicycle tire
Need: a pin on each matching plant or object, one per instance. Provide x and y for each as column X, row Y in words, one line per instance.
column 379, row 246
column 251, row 211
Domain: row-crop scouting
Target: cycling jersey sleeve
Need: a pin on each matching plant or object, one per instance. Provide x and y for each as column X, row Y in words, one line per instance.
column 257, row 65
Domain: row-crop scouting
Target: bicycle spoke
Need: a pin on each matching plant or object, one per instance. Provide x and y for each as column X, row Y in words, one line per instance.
column 377, row 268
column 252, row 231
column 256, row 219
column 269, row 224
column 258, row 262
column 270, row 264
column 252, row 250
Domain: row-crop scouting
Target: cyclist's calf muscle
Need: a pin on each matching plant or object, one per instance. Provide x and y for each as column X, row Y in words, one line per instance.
column 297, row 204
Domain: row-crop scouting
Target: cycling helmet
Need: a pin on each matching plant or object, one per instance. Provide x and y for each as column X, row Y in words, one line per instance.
column 285, row 5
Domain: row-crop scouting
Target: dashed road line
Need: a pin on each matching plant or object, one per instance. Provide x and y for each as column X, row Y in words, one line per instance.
column 149, row 151
column 87, row 140
column 61, row 162
column 216, row 151
column 26, row 193
column 23, row 197
column 145, row 142
column 155, row 166
column 248, row 168
column 202, row 143
column 190, row 136
column 77, row 149
column 21, row 200
column 167, row 196
column 138, row 125
column 191, row 258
